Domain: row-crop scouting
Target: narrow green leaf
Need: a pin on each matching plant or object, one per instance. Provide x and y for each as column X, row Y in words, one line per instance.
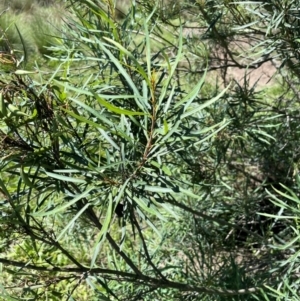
column 70, row 224
column 162, row 167
column 24, row 72
column 94, row 112
column 173, row 66
column 15, row 111
column 145, row 208
column 166, row 207
column 82, row 119
column 260, row 132
column 245, row 26
column 166, row 127
column 166, row 105
column 206, row 104
column 192, row 94
column 140, row 69
column 288, row 245
column 125, row 74
column 121, row 192
column 222, row 125
column 158, row 189
column 119, row 46
column 292, row 197
column 115, row 109
column 5, row 191
column 65, row 178
column 278, row 217
column 64, row 206
column 3, row 110
column 148, row 50
column 189, row 193
column 25, row 178
column 74, row 89
column 102, row 234
column 172, row 130
column 151, row 14
column 109, row 139
column 68, row 170
column 148, row 221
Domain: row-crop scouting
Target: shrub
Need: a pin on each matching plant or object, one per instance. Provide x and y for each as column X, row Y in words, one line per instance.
column 121, row 179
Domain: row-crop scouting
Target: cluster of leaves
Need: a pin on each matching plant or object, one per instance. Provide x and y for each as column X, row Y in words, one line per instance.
column 120, row 180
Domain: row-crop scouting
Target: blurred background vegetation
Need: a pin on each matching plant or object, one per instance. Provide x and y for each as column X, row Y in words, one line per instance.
column 149, row 150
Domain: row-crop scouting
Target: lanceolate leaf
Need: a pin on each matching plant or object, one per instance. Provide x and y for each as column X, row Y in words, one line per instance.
column 115, row 109
column 198, row 108
column 125, row 74
column 105, row 228
column 73, row 220
column 66, row 205
column 93, row 111
column 65, row 178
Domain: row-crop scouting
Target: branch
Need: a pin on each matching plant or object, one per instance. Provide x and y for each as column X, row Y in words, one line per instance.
column 138, row 279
